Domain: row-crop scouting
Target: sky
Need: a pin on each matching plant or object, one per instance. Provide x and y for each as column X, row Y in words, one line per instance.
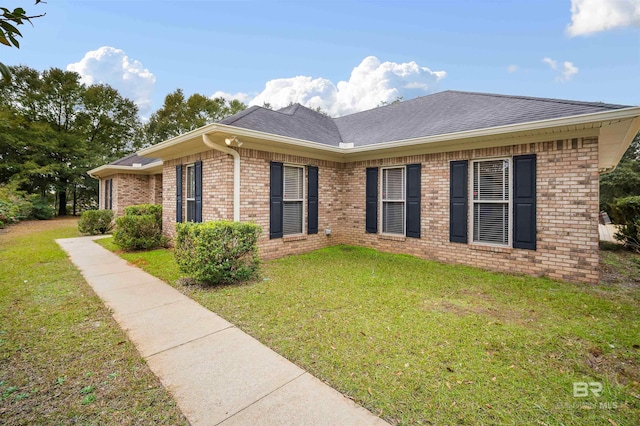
column 342, row 56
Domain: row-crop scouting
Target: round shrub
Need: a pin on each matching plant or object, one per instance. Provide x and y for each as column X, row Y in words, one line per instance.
column 143, row 209
column 138, row 232
column 218, row 252
column 94, row 222
column 626, row 213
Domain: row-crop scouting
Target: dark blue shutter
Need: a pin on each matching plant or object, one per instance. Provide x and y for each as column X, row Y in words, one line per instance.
column 312, row 198
column 198, row 191
column 371, row 192
column 275, row 209
column 110, row 194
column 458, row 201
column 413, row 200
column 179, row 193
column 524, row 202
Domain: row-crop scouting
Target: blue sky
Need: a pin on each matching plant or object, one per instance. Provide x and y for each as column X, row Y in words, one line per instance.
column 283, row 51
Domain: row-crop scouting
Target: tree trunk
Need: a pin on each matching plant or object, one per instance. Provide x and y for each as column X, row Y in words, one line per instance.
column 75, row 199
column 62, row 209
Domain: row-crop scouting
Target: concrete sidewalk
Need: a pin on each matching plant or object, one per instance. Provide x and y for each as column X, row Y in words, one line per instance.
column 216, row 373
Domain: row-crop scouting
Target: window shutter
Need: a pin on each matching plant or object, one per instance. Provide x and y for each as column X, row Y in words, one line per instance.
column 312, row 198
column 524, row 202
column 198, row 191
column 458, row 201
column 179, row 193
column 413, row 200
column 372, row 200
column 110, row 194
column 275, row 205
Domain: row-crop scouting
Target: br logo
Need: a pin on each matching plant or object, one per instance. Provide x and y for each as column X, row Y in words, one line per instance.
column 581, row 389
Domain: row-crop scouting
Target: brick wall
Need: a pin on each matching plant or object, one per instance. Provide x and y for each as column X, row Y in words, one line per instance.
column 567, row 210
column 129, row 189
column 567, row 207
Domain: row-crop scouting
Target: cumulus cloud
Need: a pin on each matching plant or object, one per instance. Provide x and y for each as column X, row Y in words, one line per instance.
column 591, row 16
column 240, row 96
column 112, row 66
column 370, row 83
column 512, row 68
column 565, row 72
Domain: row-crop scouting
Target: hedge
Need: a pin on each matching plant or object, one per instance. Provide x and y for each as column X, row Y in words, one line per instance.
column 626, row 213
column 140, row 228
column 94, row 222
column 218, row 252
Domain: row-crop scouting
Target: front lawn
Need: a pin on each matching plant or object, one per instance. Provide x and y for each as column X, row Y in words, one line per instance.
column 421, row 342
column 63, row 359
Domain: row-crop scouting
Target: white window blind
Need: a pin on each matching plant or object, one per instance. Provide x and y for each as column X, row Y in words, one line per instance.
column 491, row 201
column 393, row 200
column 293, row 200
column 191, row 193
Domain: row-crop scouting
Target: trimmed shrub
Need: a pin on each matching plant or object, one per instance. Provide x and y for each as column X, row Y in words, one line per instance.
column 218, row 252
column 145, row 209
column 138, row 233
column 94, row 222
column 626, row 213
column 140, row 228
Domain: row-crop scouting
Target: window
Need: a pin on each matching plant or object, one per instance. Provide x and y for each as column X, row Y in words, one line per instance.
column 108, row 194
column 393, row 200
column 491, row 201
column 293, row 199
column 191, row 193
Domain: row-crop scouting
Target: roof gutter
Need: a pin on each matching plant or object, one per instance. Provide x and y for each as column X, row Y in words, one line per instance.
column 236, row 173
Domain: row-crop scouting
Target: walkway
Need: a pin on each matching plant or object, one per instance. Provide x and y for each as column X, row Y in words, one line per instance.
column 217, row 374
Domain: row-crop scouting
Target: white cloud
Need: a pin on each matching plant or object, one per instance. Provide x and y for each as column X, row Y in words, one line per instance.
column 591, row 16
column 512, row 68
column 564, row 73
column 112, row 66
column 240, row 96
column 370, row 83
column 553, row 64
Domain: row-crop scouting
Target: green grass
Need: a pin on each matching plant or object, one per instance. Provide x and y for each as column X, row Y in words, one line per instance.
column 63, row 359
column 421, row 342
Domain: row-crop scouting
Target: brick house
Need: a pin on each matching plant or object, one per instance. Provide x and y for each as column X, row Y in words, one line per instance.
column 506, row 183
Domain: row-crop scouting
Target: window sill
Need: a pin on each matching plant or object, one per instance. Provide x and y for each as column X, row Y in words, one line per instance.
column 297, row 237
column 391, row 237
column 491, row 248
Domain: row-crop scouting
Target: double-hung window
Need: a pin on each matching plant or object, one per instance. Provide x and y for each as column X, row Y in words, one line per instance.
column 393, row 200
column 491, row 183
column 293, row 199
column 191, row 193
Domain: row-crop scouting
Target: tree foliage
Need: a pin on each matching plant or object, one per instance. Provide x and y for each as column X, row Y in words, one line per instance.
column 179, row 115
column 9, row 21
column 624, row 181
column 53, row 129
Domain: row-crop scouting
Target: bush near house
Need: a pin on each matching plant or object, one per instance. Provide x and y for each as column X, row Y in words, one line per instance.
column 140, row 228
column 94, row 222
column 626, row 212
column 218, row 252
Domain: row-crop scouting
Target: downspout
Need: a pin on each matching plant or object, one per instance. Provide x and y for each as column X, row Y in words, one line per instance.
column 236, row 173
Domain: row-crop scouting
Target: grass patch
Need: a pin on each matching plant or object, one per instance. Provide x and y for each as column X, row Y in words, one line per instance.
column 421, row 342
column 63, row 359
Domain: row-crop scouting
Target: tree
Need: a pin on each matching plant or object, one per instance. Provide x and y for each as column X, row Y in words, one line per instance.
column 53, row 129
column 624, row 181
column 8, row 31
column 180, row 115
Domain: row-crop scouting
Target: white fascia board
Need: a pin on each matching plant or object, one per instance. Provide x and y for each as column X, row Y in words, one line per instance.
column 113, row 168
column 342, row 152
column 511, row 128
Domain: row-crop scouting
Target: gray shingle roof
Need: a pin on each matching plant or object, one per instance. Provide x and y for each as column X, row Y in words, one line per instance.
column 132, row 159
column 294, row 121
column 436, row 114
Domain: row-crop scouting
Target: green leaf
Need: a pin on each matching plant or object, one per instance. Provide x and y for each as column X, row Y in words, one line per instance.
column 10, row 29
column 14, row 41
column 5, row 72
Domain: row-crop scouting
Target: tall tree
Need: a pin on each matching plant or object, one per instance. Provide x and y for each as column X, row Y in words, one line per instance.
column 179, row 115
column 57, row 129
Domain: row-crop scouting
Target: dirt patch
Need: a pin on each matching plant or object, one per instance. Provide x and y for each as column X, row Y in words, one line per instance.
column 620, row 268
column 498, row 314
column 28, row 227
